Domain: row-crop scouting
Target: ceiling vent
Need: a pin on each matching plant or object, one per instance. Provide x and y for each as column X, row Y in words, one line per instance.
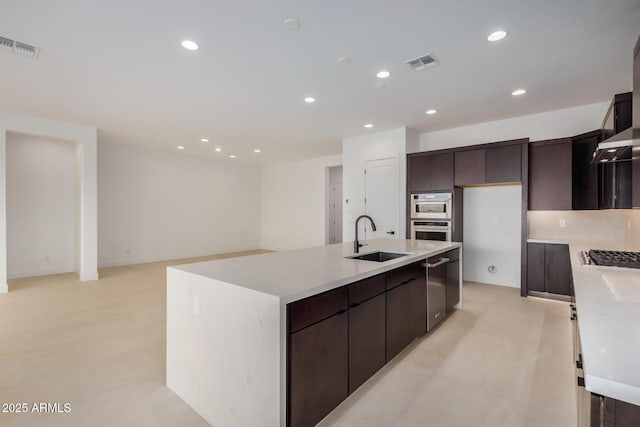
column 423, row 62
column 19, row 48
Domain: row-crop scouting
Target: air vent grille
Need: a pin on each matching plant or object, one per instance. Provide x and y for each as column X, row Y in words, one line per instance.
column 423, row 62
column 19, row 48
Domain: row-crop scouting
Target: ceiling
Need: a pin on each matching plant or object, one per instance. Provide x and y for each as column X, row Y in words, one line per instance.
column 118, row 65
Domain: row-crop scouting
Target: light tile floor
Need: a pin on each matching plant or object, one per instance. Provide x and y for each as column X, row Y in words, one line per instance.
column 501, row 361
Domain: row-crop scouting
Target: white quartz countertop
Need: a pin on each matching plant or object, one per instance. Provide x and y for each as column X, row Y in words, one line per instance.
column 608, row 304
column 294, row 275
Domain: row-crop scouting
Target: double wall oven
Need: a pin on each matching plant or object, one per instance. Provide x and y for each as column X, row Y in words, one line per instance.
column 431, row 216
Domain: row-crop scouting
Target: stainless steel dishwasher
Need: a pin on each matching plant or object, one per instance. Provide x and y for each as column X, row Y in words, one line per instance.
column 436, row 290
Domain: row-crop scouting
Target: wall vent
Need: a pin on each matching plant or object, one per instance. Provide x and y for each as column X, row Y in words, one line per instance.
column 19, row 48
column 423, row 62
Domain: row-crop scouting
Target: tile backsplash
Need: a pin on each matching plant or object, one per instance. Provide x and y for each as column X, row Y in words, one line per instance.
column 618, row 225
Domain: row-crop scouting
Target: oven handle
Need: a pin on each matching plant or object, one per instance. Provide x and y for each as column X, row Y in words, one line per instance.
column 442, row 261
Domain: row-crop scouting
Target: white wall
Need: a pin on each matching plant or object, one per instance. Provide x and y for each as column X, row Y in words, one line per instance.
column 156, row 205
column 541, row 126
column 355, row 152
column 294, row 205
column 41, row 206
column 492, row 234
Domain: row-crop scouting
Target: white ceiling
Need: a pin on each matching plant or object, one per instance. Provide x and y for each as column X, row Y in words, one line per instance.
column 118, row 65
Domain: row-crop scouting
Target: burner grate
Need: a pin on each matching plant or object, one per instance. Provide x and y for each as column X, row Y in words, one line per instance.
column 615, row 258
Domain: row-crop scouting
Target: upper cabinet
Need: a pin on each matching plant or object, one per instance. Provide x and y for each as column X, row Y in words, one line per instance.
column 584, row 173
column 636, row 122
column 430, row 172
column 614, row 184
column 550, row 175
column 504, row 164
column 496, row 164
column 470, row 167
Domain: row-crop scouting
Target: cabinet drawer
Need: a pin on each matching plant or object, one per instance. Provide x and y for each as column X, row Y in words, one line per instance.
column 404, row 274
column 366, row 289
column 318, row 307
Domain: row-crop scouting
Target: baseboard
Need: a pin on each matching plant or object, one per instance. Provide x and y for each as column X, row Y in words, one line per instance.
column 4, row 288
column 88, row 277
column 38, row 273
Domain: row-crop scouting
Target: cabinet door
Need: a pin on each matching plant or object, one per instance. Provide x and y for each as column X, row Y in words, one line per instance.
column 418, row 173
column 417, row 306
column 453, row 284
column 470, row 167
column 557, row 269
column 535, row 267
column 397, row 320
column 318, row 370
column 367, row 351
column 550, row 175
column 441, row 171
column 504, row 164
column 584, row 179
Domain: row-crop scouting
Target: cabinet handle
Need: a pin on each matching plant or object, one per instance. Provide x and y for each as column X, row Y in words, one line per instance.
column 355, row 305
column 442, row 261
column 344, row 310
column 391, row 232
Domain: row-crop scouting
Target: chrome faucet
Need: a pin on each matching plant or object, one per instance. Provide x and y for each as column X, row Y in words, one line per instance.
column 357, row 245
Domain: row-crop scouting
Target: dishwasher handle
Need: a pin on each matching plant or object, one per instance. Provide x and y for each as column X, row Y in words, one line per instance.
column 442, row 261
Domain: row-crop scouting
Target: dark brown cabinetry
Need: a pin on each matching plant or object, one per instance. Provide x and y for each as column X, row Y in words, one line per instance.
column 635, row 163
column 495, row 164
column 549, row 268
column 367, row 327
column 550, row 175
column 453, row 279
column 430, row 172
column 504, row 164
column 584, row 174
column 338, row 339
column 614, row 186
column 318, row 356
column 406, row 306
column 470, row 167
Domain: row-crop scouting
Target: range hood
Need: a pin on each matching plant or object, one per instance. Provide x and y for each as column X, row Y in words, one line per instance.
column 620, row 147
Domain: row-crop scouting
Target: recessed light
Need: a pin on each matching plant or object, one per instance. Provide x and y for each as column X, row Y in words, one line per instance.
column 257, row 150
column 232, row 156
column 430, row 112
column 497, row 36
column 383, row 74
column 368, row 125
column 518, row 92
column 612, row 150
column 190, row 45
column 343, row 60
column 292, row 24
column 604, row 160
column 204, row 140
column 309, row 100
column 218, row 149
column 180, row 147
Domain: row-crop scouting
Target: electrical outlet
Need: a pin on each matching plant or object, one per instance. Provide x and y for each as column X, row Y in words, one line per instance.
column 563, row 223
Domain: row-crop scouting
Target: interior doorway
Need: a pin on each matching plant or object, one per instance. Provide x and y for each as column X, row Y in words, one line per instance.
column 41, row 205
column 334, row 219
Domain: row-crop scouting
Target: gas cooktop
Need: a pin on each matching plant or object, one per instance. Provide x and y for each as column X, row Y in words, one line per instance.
column 613, row 258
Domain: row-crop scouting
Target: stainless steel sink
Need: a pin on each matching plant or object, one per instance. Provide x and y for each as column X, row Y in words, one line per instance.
column 378, row 256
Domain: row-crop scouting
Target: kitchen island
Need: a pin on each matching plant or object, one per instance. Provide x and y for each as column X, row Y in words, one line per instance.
column 227, row 325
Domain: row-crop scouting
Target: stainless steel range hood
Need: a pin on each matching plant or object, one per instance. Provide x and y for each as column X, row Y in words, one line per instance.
column 620, row 147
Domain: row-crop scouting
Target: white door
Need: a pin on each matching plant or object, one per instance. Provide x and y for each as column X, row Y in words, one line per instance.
column 382, row 183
